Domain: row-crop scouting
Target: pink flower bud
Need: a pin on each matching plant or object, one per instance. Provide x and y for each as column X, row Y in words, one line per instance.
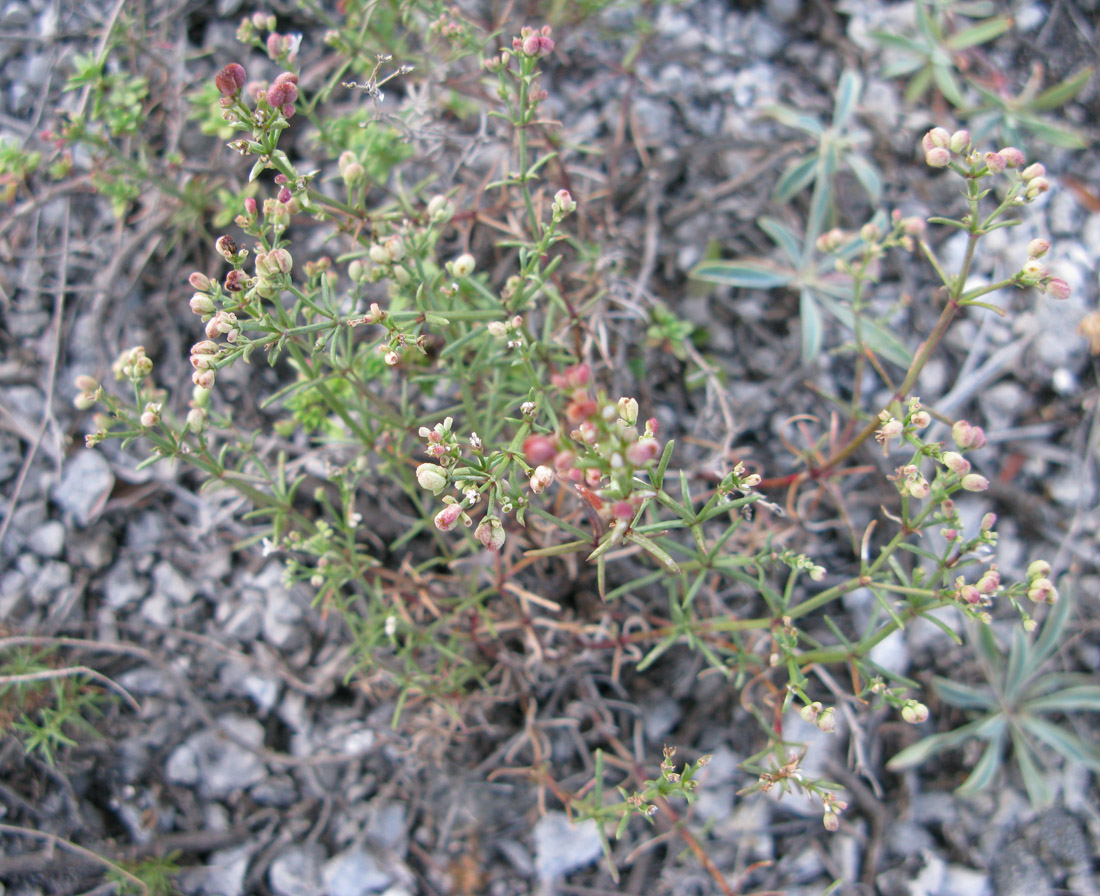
column 448, row 517
column 538, row 449
column 200, row 282
column 622, row 510
column 204, row 379
column 962, row 433
column 940, row 137
column 970, row 594
column 541, row 478
column 490, row 533
column 974, row 482
column 989, row 520
column 643, row 451
column 956, row 462
column 230, row 79
column 959, row 141
column 1012, row 156
column 1057, row 288
column 995, row 162
column 1034, row 170
column 989, row 582
column 937, row 157
column 1038, row 248
column 1042, row 591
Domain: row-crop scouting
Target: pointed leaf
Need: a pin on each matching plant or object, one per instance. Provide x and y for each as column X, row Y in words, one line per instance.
column 947, row 85
column 880, row 340
column 984, row 772
column 1038, row 793
column 847, row 95
column 797, row 120
column 1072, row 699
column 1066, row 744
column 795, row 177
column 963, row 696
column 1057, row 96
column 1054, row 134
column 783, row 237
column 980, row 33
column 923, row 750
column 748, row 274
column 1050, row 637
column 813, row 332
column 866, row 174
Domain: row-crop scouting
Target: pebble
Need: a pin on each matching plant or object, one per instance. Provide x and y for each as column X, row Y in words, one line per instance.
column 561, row 847
column 218, row 766
column 297, row 870
column 223, row 874
column 48, row 540
column 86, row 481
column 354, row 873
column 171, row 584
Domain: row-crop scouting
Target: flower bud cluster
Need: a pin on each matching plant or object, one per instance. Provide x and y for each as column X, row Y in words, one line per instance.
column 833, row 808
column 563, row 205
column 132, row 364
column 272, row 271
column 1040, row 587
column 89, row 392
column 893, row 429
column 534, row 43
column 914, row 712
column 1035, row 273
column 980, row 593
column 822, row 716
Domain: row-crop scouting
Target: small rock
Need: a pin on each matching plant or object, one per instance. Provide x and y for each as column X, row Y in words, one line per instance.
column 51, row 580
column 93, row 548
column 48, row 540
column 86, row 481
column 296, row 871
column 216, row 764
column 354, row 873
column 170, row 583
column 122, row 586
column 222, row 875
column 561, row 847
column 386, row 827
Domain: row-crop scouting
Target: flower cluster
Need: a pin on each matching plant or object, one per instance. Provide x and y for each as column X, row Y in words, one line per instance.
column 1035, row 273
column 534, row 43
column 1040, row 589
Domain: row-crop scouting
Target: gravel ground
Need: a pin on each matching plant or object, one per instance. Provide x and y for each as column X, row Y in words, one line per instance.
column 248, row 753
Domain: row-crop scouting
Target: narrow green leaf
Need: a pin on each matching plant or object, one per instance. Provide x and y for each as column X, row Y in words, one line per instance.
column 980, row 33
column 1066, row 744
column 923, row 750
column 947, row 85
column 962, row 695
column 797, row 120
column 1084, row 697
column 866, row 174
column 881, row 341
column 984, row 772
column 783, row 237
column 795, row 177
column 1061, row 93
column 1054, row 134
column 1038, row 793
column 748, row 274
column 813, row 334
column 847, row 95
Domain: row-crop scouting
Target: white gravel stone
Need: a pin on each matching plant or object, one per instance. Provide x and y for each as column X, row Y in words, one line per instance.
column 561, row 847
column 86, row 481
column 354, row 873
column 296, row 871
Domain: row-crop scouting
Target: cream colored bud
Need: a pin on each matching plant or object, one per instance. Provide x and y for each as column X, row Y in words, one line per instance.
column 464, row 265
column 431, row 477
